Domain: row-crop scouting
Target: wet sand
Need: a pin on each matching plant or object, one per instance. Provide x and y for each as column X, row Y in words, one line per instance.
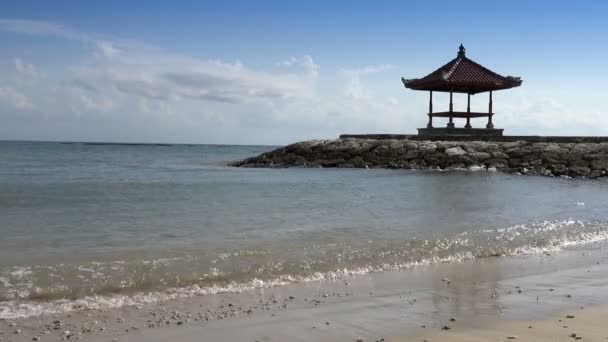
column 575, row 325
column 490, row 299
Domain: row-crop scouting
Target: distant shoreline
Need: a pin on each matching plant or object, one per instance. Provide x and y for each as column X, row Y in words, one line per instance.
column 110, row 143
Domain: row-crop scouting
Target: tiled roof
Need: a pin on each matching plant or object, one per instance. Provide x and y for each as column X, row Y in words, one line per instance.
column 464, row 76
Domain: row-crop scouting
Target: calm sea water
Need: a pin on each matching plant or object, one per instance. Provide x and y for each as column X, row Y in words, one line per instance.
column 105, row 225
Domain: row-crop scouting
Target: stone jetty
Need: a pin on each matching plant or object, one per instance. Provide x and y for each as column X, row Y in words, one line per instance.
column 573, row 159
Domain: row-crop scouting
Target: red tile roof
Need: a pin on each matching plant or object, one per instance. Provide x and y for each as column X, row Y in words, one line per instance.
column 462, row 75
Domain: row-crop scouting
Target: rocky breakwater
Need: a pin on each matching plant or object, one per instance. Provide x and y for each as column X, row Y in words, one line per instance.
column 535, row 158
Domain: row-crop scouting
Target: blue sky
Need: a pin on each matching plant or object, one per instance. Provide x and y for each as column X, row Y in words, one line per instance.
column 272, row 72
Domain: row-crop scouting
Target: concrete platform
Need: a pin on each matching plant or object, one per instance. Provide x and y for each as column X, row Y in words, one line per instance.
column 471, row 132
column 502, row 138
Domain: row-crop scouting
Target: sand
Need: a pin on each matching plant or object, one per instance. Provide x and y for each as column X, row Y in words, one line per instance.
column 590, row 324
column 490, row 299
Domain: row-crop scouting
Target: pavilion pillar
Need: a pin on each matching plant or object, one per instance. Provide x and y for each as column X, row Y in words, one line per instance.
column 430, row 124
column 451, row 123
column 468, row 125
column 490, row 124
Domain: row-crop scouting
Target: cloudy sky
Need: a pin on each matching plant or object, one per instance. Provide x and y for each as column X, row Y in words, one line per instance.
column 273, row 72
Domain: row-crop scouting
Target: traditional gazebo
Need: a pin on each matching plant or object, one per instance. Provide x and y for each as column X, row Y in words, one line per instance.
column 461, row 75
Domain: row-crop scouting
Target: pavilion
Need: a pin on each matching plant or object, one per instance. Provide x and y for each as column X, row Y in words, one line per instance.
column 461, row 75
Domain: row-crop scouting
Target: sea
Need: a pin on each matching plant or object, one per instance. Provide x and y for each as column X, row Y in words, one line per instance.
column 96, row 225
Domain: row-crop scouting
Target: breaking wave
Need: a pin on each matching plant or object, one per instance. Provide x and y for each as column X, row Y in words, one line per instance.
column 33, row 290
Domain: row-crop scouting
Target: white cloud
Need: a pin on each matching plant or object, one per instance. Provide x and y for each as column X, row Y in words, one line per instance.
column 306, row 62
column 107, row 48
column 41, row 28
column 369, row 69
column 155, row 75
column 354, row 88
column 27, row 72
column 528, row 114
column 14, row 98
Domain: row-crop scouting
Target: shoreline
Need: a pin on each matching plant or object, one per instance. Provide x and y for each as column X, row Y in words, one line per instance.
column 389, row 305
column 569, row 159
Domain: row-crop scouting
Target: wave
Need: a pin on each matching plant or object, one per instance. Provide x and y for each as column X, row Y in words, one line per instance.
column 24, row 297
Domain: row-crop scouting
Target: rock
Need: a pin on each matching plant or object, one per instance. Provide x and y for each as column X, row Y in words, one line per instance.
column 599, row 164
column 518, row 152
column 382, row 150
column 552, row 147
column 426, row 148
column 496, row 163
column 588, row 160
column 559, row 169
column 455, row 151
column 579, row 171
column 480, row 156
column 358, row 162
column 396, row 145
column 499, row 155
column 515, row 144
column 411, row 146
column 412, row 154
column 455, row 166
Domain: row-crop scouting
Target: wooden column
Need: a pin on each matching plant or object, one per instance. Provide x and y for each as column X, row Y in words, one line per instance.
column 468, row 125
column 430, row 124
column 451, row 123
column 490, row 124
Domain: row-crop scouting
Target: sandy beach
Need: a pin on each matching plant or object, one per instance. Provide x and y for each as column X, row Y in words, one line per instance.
column 574, row 325
column 493, row 299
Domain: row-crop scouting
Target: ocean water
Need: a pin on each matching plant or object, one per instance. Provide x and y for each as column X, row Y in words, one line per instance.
column 101, row 225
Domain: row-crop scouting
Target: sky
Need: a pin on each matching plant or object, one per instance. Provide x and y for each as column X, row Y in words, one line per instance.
column 276, row 72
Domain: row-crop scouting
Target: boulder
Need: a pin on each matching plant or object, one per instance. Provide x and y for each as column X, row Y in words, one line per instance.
column 427, row 147
column 455, row 151
column 412, row 154
column 481, row 156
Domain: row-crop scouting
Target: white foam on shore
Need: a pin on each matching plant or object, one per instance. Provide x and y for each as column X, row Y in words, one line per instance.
column 569, row 236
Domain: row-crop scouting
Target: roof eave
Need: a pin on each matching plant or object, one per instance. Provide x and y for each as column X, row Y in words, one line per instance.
column 415, row 84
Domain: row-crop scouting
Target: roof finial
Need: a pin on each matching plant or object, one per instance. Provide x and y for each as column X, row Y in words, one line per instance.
column 461, row 51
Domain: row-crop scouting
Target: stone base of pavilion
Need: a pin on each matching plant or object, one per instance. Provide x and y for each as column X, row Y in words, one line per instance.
column 470, row 132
